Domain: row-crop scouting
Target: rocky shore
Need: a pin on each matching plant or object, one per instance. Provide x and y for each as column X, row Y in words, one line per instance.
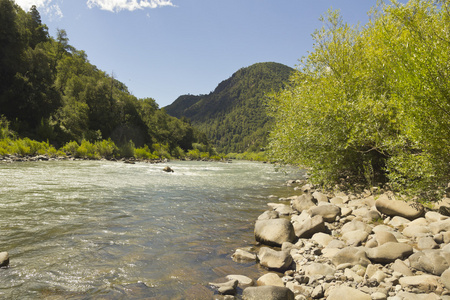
column 18, row 158
column 370, row 245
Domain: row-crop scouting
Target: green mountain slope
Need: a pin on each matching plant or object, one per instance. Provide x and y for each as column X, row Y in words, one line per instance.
column 233, row 116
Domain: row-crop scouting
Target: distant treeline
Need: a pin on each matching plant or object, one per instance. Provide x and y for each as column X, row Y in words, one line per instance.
column 50, row 92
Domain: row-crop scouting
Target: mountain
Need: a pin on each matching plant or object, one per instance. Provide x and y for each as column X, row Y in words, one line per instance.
column 234, row 116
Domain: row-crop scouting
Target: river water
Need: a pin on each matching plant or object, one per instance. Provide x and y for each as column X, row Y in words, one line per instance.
column 109, row 230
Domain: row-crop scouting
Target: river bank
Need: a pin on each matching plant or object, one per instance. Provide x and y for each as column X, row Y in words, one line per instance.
column 369, row 245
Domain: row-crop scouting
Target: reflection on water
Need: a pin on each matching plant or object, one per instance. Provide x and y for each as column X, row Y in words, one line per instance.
column 98, row 229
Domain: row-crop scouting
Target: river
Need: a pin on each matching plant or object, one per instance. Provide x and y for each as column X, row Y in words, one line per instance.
column 109, row 230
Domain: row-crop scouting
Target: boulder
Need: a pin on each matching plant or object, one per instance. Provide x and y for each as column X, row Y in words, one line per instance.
column 328, row 212
column 438, row 226
column 316, row 269
column 4, row 259
column 384, row 237
column 389, row 252
column 268, row 214
column 426, row 243
column 226, row 288
column 168, row 169
column 274, row 232
column 415, row 231
column 322, row 239
column 425, row 283
column 400, row 267
column 355, row 238
column 355, row 225
column 270, row 279
column 272, row 259
column 242, row 255
column 309, row 227
column 408, row 210
column 267, row 293
column 445, row 278
column 431, row 261
column 344, row 292
column 351, row 255
column 320, row 197
column 302, row 202
column 243, row 281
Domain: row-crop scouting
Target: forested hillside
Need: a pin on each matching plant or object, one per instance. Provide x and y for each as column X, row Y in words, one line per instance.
column 50, row 91
column 372, row 103
column 234, row 115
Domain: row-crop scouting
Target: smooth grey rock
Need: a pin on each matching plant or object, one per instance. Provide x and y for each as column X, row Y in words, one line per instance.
column 384, row 237
column 322, row 239
column 4, row 259
column 355, row 225
column 243, row 281
column 425, row 283
column 433, row 216
column 398, row 222
column 274, row 232
column 344, row 292
column 242, row 255
column 272, row 259
column 309, row 227
column 268, row 293
column 303, row 202
column 355, row 238
column 378, row 296
column 318, row 292
column 408, row 210
column 269, row 214
column 445, row 278
column 439, row 226
column 320, row 197
column 431, row 261
column 328, row 212
column 413, row 231
column 400, row 267
column 315, row 269
column 226, row 288
column 350, row 255
column 270, row 279
column 427, row 242
column 389, row 252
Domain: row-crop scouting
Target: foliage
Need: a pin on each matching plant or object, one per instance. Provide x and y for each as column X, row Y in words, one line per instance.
column 233, row 115
column 371, row 103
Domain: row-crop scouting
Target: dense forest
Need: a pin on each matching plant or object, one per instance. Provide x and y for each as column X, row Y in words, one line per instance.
column 234, row 115
column 49, row 91
column 372, row 103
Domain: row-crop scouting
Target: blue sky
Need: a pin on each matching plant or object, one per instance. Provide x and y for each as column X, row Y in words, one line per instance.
column 166, row 48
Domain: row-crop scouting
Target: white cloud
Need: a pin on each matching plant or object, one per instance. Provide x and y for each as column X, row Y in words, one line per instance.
column 118, row 5
column 48, row 7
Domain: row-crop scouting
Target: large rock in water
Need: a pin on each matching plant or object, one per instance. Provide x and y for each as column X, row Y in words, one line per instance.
column 274, row 232
column 389, row 252
column 4, row 259
column 411, row 210
column 268, row 292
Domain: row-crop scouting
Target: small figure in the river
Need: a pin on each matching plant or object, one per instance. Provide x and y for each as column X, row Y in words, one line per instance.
column 168, row 169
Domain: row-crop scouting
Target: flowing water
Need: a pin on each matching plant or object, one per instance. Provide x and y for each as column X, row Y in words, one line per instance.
column 109, row 230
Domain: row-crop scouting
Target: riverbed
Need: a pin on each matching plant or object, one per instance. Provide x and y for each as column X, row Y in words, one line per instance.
column 110, row 230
